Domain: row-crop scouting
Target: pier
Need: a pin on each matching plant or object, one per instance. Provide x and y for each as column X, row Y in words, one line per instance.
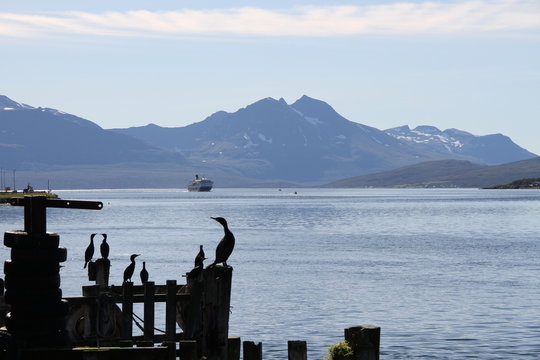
column 42, row 324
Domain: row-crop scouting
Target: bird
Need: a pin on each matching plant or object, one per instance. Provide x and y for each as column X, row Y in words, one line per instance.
column 226, row 244
column 104, row 247
column 89, row 252
column 200, row 258
column 128, row 273
column 144, row 273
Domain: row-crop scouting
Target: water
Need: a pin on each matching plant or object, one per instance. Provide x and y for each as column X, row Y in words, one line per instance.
column 446, row 274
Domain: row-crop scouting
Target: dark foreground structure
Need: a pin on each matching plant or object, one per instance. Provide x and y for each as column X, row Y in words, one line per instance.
column 41, row 324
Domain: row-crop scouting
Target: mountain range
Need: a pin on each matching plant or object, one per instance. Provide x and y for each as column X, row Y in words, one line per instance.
column 306, row 142
column 309, row 141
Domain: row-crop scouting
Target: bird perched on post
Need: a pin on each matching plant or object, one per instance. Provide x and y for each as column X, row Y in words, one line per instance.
column 226, row 244
column 89, row 252
column 104, row 247
column 200, row 258
column 144, row 273
column 128, row 273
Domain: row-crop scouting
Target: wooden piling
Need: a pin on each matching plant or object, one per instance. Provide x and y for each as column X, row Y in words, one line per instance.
column 170, row 311
column 216, row 308
column 365, row 341
column 102, row 267
column 233, row 348
column 127, row 310
column 297, row 350
column 149, row 306
column 252, row 351
column 188, row 350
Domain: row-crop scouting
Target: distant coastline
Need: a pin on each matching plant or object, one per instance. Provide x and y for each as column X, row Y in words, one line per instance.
column 532, row 183
column 6, row 196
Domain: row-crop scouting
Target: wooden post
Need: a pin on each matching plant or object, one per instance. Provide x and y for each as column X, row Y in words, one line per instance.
column 170, row 311
column 127, row 310
column 252, row 351
column 188, row 350
column 233, row 348
column 216, row 306
column 102, row 267
column 365, row 341
column 297, row 350
column 149, row 287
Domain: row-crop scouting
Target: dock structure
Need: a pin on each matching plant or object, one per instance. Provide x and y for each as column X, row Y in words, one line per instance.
column 42, row 324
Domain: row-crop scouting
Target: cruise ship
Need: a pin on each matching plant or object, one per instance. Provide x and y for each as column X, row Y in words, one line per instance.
column 200, row 184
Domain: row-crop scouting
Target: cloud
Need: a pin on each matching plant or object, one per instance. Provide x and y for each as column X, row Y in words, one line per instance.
column 309, row 21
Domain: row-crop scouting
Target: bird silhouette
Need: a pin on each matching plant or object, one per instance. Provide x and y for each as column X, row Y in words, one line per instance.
column 144, row 273
column 104, row 247
column 226, row 244
column 128, row 273
column 89, row 252
column 200, row 258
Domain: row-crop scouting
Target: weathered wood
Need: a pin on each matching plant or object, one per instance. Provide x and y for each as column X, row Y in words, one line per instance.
column 365, row 341
column 297, row 350
column 102, row 271
column 97, row 353
column 149, row 319
column 216, row 308
column 233, row 348
column 252, row 351
column 137, row 289
column 170, row 310
column 135, row 299
column 171, row 346
column 188, row 350
column 127, row 310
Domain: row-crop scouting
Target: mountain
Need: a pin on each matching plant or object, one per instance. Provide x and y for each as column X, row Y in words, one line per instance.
column 38, row 137
column 489, row 149
column 445, row 173
column 308, row 141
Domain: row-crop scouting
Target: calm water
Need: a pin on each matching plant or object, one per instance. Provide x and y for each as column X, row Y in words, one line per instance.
column 446, row 274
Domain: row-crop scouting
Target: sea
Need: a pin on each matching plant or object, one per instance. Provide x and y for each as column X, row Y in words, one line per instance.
column 445, row 273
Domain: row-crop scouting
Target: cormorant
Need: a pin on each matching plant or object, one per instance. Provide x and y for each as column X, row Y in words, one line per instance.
column 104, row 247
column 144, row 273
column 200, row 258
column 89, row 251
column 128, row 273
column 226, row 245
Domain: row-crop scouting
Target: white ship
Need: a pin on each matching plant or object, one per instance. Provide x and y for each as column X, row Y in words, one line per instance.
column 200, row 184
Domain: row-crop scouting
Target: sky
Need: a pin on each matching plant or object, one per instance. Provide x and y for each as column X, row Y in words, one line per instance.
column 468, row 64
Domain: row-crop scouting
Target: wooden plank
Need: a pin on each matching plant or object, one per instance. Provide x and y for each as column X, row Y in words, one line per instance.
column 127, row 310
column 365, row 341
column 135, row 299
column 170, row 310
column 149, row 307
column 137, row 289
column 297, row 350
column 252, row 351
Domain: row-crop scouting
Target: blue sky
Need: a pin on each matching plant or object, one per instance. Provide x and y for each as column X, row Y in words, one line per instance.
column 471, row 65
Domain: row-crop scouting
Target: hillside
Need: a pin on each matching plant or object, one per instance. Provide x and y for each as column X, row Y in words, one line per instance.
column 445, row 173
